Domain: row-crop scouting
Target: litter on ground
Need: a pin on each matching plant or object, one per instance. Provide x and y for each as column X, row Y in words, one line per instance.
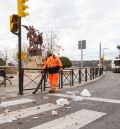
column 3, row 105
column 54, row 113
column 85, row 93
column 62, row 102
column 77, row 98
column 35, row 117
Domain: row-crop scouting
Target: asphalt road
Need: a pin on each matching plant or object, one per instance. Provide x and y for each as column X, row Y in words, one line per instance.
column 100, row 111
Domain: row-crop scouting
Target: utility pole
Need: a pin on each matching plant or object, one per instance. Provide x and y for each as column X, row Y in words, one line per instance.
column 21, row 6
column 99, row 53
column 81, row 56
column 19, row 57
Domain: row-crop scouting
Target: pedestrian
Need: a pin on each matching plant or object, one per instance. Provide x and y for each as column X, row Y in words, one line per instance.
column 53, row 65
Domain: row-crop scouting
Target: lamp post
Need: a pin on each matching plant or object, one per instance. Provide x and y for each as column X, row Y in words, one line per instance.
column 104, row 55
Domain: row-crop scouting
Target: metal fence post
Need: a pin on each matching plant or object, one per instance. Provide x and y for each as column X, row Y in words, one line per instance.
column 99, row 72
column 61, row 79
column 90, row 74
column 93, row 73
column 59, row 84
column 72, row 80
column 44, row 83
column 85, row 74
column 22, row 77
column 79, row 75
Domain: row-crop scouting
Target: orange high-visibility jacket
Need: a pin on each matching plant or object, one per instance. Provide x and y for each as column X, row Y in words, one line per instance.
column 53, row 63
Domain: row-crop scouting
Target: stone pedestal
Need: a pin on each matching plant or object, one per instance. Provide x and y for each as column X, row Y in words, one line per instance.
column 35, row 52
column 35, row 62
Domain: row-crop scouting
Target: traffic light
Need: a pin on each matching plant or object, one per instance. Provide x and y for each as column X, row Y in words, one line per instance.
column 22, row 8
column 102, row 60
column 23, row 55
column 14, row 21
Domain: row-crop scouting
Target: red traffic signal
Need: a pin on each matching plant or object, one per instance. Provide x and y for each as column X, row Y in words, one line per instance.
column 102, row 60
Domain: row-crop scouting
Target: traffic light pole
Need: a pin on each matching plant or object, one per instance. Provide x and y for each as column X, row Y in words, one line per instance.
column 19, row 57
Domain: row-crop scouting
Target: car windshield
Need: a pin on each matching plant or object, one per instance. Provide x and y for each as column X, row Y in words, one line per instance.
column 117, row 62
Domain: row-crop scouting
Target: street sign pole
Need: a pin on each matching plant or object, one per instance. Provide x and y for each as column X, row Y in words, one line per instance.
column 19, row 57
column 99, row 53
column 81, row 46
column 81, row 55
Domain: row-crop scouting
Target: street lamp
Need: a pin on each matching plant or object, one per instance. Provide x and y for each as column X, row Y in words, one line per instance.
column 104, row 55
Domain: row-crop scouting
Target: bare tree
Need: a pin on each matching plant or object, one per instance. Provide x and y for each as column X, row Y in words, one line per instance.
column 51, row 43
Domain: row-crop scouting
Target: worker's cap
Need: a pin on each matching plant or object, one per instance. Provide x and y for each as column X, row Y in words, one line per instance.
column 49, row 52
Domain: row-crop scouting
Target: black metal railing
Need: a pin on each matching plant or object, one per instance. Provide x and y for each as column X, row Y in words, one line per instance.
column 32, row 76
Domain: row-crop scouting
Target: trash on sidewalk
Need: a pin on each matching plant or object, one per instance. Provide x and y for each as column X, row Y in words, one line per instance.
column 3, row 105
column 35, row 117
column 62, row 102
column 54, row 113
column 85, row 93
column 77, row 98
column 67, row 107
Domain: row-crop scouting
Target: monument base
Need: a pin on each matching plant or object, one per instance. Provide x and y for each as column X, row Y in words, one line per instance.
column 35, row 62
column 35, row 52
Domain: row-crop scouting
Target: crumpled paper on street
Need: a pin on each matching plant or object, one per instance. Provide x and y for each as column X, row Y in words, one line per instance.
column 77, row 98
column 54, row 112
column 85, row 93
column 62, row 102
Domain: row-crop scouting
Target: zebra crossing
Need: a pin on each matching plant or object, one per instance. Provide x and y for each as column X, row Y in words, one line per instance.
column 73, row 120
column 114, row 101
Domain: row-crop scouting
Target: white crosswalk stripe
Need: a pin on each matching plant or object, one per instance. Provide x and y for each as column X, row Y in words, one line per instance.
column 88, row 98
column 75, row 120
column 15, row 102
column 14, row 115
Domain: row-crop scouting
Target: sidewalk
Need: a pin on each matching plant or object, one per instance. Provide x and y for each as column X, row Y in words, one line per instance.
column 11, row 91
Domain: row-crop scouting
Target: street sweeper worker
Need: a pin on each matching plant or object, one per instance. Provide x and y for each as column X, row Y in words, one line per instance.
column 53, row 65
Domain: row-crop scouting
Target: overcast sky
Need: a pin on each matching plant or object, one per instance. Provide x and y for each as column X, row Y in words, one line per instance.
column 92, row 20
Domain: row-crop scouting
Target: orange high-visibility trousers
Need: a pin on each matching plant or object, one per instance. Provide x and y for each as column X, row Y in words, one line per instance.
column 53, row 79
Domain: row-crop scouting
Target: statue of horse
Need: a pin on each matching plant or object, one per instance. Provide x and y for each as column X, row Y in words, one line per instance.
column 35, row 38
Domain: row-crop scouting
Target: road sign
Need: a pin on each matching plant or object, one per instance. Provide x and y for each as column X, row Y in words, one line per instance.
column 82, row 44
